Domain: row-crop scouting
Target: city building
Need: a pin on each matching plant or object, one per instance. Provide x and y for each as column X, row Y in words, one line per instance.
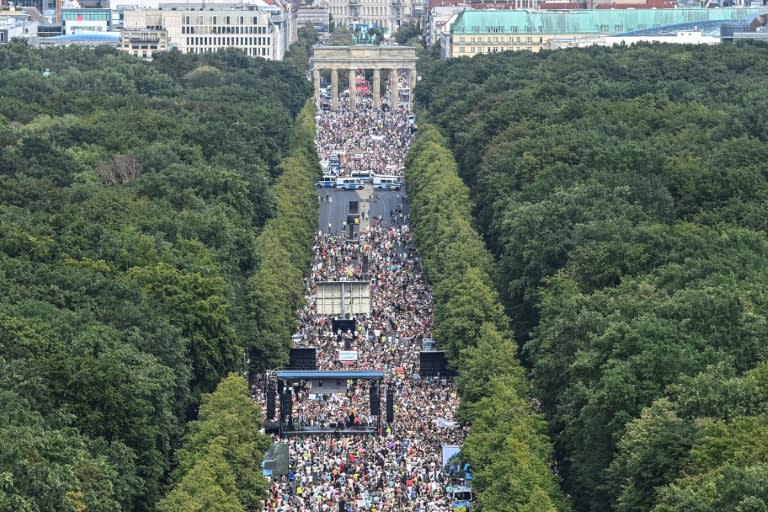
column 473, row 32
column 754, row 29
column 386, row 15
column 16, row 24
column 79, row 20
column 318, row 18
column 40, row 5
column 143, row 42
column 437, row 14
column 259, row 30
column 684, row 37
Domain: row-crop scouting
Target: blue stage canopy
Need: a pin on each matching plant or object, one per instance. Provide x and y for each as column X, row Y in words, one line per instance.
column 330, row 374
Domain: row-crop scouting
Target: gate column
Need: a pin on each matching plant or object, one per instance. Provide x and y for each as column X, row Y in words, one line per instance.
column 316, row 81
column 376, row 88
column 352, row 89
column 393, row 94
column 334, row 89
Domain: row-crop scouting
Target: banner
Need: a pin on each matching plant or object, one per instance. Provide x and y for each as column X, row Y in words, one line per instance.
column 347, row 355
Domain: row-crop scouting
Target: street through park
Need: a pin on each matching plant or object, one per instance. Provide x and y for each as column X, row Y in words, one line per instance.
column 360, row 445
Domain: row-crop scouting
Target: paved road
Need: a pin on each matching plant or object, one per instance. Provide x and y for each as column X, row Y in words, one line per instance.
column 370, row 204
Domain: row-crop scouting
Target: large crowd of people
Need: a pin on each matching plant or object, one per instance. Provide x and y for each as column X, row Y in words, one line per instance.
column 397, row 465
column 366, row 139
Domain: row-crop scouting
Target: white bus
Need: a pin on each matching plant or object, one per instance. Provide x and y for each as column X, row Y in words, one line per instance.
column 387, row 182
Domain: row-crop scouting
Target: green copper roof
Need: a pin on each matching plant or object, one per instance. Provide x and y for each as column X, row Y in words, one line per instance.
column 588, row 21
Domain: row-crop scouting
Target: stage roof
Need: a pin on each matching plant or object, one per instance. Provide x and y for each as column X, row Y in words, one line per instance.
column 329, row 374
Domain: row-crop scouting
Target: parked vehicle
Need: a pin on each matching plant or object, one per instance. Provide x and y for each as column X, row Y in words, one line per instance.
column 349, row 183
column 386, row 182
column 366, row 176
column 326, row 182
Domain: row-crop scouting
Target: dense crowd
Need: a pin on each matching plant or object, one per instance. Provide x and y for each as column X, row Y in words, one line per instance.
column 399, row 466
column 366, row 139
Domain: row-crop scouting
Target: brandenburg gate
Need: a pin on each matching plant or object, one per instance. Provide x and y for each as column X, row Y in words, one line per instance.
column 352, row 58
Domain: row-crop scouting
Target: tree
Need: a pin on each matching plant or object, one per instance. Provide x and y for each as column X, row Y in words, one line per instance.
column 121, row 170
column 209, row 485
column 407, row 31
column 494, row 354
column 229, row 429
column 131, row 198
column 520, row 478
column 652, row 452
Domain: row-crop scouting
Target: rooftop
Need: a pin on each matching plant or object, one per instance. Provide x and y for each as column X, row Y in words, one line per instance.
column 104, row 37
column 590, row 21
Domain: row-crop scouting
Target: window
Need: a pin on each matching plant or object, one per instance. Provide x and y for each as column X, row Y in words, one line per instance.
column 214, row 20
column 228, row 20
column 514, row 29
column 461, row 49
column 603, row 28
column 618, row 28
column 529, row 40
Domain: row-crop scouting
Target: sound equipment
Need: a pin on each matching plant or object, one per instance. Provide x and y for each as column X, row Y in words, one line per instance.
column 271, row 399
column 390, row 404
column 375, row 399
column 343, row 324
column 433, row 364
column 302, row 359
column 286, row 404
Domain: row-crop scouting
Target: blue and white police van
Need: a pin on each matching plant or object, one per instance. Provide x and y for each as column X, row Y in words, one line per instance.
column 349, row 183
column 387, row 182
column 326, row 182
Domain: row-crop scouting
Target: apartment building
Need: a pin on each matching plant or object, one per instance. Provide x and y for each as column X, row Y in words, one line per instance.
column 258, row 30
